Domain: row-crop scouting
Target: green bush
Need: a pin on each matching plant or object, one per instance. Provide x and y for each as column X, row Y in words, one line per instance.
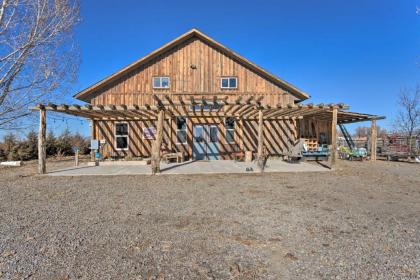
column 28, row 148
column 11, row 148
column 51, row 144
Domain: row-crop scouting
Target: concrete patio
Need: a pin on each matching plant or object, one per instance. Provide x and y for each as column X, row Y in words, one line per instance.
column 191, row 167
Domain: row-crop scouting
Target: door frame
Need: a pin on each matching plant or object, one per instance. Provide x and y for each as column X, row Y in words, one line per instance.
column 206, row 131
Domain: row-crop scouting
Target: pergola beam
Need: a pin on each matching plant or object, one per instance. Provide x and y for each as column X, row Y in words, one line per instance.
column 243, row 109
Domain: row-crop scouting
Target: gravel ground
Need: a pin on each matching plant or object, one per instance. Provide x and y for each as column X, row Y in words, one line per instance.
column 361, row 221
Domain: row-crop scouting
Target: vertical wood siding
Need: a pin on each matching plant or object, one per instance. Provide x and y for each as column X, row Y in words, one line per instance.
column 211, row 64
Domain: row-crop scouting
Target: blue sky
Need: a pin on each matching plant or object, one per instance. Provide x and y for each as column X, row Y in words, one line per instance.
column 360, row 53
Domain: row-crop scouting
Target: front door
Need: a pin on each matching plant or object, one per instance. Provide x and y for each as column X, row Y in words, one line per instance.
column 205, row 142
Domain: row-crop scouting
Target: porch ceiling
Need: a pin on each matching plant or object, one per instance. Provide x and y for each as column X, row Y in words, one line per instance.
column 247, row 109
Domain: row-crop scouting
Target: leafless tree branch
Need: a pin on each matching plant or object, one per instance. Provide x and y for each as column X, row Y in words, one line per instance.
column 38, row 56
column 408, row 117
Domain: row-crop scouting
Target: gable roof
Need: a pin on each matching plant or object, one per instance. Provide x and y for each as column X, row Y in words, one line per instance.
column 84, row 94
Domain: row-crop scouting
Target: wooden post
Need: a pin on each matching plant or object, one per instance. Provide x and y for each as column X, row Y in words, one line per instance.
column 241, row 135
column 260, row 141
column 93, row 136
column 76, row 157
column 373, row 140
column 42, row 149
column 158, row 143
column 334, row 137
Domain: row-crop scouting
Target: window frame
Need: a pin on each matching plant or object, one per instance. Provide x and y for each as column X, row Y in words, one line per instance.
column 186, row 130
column 160, row 82
column 120, row 136
column 228, row 77
column 230, row 129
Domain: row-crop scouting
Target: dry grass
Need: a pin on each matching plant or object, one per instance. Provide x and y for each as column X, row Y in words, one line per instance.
column 359, row 222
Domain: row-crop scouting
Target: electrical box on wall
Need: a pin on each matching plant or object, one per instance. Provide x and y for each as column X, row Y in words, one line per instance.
column 94, row 144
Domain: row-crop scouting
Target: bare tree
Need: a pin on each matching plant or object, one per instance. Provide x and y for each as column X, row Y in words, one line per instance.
column 363, row 131
column 408, row 118
column 38, row 56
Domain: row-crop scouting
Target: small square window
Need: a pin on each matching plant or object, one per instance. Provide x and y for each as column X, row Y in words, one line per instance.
column 165, row 82
column 122, row 143
column 230, row 123
column 156, row 82
column 181, row 123
column 232, row 82
column 229, row 82
column 121, row 129
column 225, row 83
column 161, row 82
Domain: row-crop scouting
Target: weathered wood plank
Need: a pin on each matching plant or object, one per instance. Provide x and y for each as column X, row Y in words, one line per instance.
column 155, row 161
column 42, row 146
column 373, row 140
column 334, row 137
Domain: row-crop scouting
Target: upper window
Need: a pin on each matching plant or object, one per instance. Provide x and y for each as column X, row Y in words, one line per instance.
column 160, row 82
column 229, row 82
column 121, row 136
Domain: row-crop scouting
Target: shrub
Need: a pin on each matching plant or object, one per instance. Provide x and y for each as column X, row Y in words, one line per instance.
column 63, row 144
column 27, row 149
column 81, row 142
column 11, row 148
column 51, row 143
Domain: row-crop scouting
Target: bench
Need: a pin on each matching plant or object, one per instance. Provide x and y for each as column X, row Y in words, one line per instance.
column 178, row 157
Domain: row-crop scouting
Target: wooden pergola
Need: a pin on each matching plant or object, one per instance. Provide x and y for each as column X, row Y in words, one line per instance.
column 242, row 109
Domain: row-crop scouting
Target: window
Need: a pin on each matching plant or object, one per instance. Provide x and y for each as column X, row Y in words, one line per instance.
column 181, row 130
column 160, row 82
column 206, row 107
column 230, row 130
column 121, row 136
column 229, row 82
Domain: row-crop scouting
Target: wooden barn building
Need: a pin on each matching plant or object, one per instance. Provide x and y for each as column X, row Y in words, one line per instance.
column 196, row 97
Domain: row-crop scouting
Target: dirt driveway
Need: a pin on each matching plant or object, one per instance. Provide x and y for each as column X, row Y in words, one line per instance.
column 359, row 222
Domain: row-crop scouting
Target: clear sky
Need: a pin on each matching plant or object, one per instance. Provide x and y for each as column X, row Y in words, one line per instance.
column 359, row 52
